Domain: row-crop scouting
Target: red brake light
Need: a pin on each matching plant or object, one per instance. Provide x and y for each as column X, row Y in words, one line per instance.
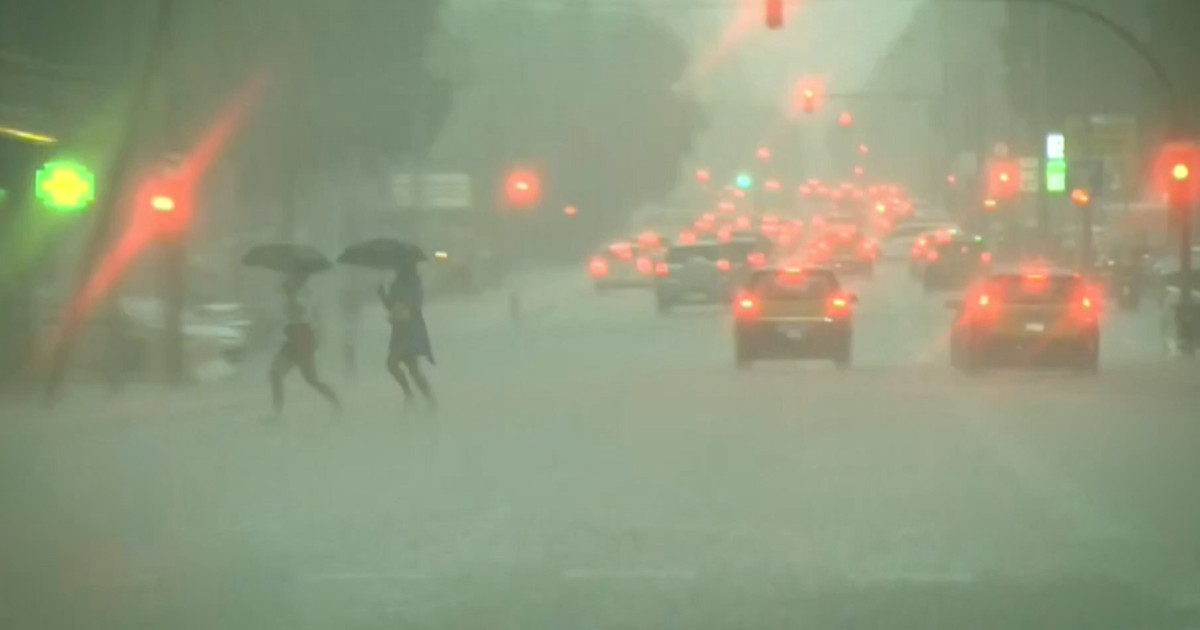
column 598, row 267
column 986, row 258
column 838, row 306
column 984, row 300
column 662, row 269
column 645, row 266
column 922, row 242
column 756, row 259
column 747, row 306
column 932, row 255
column 724, row 265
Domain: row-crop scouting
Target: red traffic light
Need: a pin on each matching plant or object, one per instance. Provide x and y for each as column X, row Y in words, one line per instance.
column 774, row 14
column 846, row 119
column 1175, row 172
column 1004, row 178
column 522, row 188
column 1081, row 198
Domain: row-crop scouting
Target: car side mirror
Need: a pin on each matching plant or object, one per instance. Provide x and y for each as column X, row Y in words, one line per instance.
column 954, row 304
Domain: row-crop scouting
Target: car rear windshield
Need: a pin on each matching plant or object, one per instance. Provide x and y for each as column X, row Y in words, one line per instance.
column 1037, row 289
column 688, row 252
column 788, row 285
column 965, row 248
column 740, row 249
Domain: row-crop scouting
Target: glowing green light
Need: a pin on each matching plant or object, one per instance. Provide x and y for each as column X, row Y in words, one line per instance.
column 1056, row 176
column 65, row 186
column 744, row 181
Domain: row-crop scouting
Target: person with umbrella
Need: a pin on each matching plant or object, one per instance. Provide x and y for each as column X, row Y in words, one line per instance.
column 300, row 340
column 403, row 301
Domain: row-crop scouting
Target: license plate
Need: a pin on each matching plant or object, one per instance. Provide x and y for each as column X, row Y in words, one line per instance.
column 795, row 331
column 1035, row 327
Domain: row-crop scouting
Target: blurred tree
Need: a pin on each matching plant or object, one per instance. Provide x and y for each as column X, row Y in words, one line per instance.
column 589, row 96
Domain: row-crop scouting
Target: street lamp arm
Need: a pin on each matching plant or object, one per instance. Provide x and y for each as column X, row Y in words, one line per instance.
column 1122, row 33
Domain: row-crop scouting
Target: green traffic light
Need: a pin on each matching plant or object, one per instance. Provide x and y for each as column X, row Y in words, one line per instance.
column 744, row 181
column 65, row 186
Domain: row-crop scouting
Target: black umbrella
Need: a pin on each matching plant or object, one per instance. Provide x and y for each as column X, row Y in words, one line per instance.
column 382, row 253
column 287, row 257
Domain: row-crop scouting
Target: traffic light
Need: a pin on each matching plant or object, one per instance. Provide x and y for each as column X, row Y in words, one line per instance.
column 65, row 186
column 522, row 188
column 763, row 153
column 162, row 206
column 703, row 175
column 846, row 119
column 774, row 14
column 1176, row 170
column 1081, row 198
column 744, row 181
column 808, row 94
column 1004, row 178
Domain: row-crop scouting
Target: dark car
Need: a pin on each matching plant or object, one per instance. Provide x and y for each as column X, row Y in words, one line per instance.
column 743, row 254
column 846, row 251
column 796, row 313
column 955, row 263
column 692, row 274
column 1038, row 317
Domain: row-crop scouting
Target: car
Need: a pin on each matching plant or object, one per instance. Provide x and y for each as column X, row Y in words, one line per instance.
column 743, row 254
column 918, row 253
column 621, row 265
column 955, row 263
column 847, row 251
column 694, row 273
column 1031, row 317
column 796, row 313
column 898, row 243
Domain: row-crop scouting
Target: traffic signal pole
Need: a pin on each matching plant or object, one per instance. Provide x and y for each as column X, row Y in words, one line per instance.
column 110, row 192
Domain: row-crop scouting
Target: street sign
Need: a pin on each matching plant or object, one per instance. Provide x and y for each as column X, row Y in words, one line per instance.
column 1056, row 175
column 1056, row 146
column 1087, row 175
column 442, row 191
column 1113, row 139
column 1030, row 182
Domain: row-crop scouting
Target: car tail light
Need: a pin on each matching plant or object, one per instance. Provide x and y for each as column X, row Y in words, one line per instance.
column 984, row 300
column 662, row 269
column 756, row 259
column 932, row 255
column 838, row 306
column 986, row 258
column 724, row 265
column 598, row 267
column 747, row 306
column 645, row 266
column 922, row 242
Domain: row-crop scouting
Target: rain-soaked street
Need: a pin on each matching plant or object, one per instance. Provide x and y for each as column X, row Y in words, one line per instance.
column 607, row 467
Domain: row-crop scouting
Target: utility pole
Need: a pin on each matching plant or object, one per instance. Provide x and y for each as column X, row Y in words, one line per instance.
column 174, row 245
column 110, row 191
column 1041, row 123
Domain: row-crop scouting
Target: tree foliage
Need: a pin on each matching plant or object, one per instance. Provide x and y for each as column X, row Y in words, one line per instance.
column 590, row 98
